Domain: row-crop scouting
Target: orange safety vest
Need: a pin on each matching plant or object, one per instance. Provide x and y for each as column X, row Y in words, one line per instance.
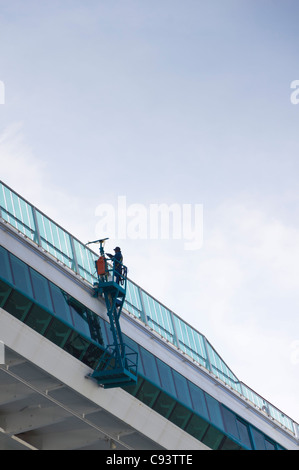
column 101, row 266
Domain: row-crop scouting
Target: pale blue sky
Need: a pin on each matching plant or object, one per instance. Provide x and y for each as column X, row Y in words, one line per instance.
column 182, row 102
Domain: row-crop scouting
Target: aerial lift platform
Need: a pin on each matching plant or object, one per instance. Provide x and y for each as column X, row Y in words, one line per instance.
column 118, row 364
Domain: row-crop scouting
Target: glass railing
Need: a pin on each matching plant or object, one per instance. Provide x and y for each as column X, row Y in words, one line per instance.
column 70, row 252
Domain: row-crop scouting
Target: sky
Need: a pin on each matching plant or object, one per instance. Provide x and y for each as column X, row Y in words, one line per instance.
column 186, row 103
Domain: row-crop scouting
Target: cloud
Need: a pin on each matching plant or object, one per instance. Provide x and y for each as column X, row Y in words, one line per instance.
column 30, row 176
column 19, row 167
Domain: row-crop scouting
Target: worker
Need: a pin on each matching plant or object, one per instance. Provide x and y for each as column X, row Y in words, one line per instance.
column 117, row 259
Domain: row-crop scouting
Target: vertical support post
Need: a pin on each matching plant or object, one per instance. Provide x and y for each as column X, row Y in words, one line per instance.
column 142, row 313
column 37, row 234
column 209, row 365
column 75, row 261
column 2, row 352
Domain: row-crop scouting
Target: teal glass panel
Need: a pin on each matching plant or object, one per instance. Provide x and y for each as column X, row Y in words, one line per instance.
column 164, row 405
column 259, row 439
column 38, row 319
column 182, row 390
column 180, row 416
column 214, row 411
column 18, row 305
column 80, row 320
column 166, row 378
column 5, row 270
column 220, row 369
column 280, row 417
column 133, row 302
column 55, row 240
column 229, row 444
column 76, row 345
column 158, row 317
column 149, row 366
column 61, row 307
column 41, row 290
column 198, row 401
column 234, row 426
column 128, row 341
column 5, row 290
column 21, row 275
column 230, row 422
column 197, row 427
column 17, row 212
column 92, row 355
column 86, row 261
column 134, row 388
column 58, row 333
column 243, row 433
column 96, row 326
column 269, row 445
column 190, row 341
column 147, row 393
column 213, row 438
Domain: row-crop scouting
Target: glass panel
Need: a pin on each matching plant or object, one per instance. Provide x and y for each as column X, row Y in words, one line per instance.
column 164, row 405
column 214, row 411
column 17, row 212
column 134, row 388
column 228, row 444
column 182, row 388
column 58, row 333
column 230, row 422
column 18, row 305
column 158, row 317
column 55, row 240
column 213, row 438
column 86, row 261
column 5, row 290
column 150, row 366
column 92, row 355
column 166, row 377
column 269, row 445
column 243, row 432
column 38, row 319
column 135, row 347
column 190, row 341
column 259, row 439
column 80, row 320
column 180, row 416
column 41, row 289
column 147, row 393
column 197, row 427
column 5, row 271
column 198, row 401
column 61, row 308
column 21, row 275
column 96, row 326
column 76, row 345
column 133, row 296
column 220, row 369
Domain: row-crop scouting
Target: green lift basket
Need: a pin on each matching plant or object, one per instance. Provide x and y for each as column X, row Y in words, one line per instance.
column 118, row 364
